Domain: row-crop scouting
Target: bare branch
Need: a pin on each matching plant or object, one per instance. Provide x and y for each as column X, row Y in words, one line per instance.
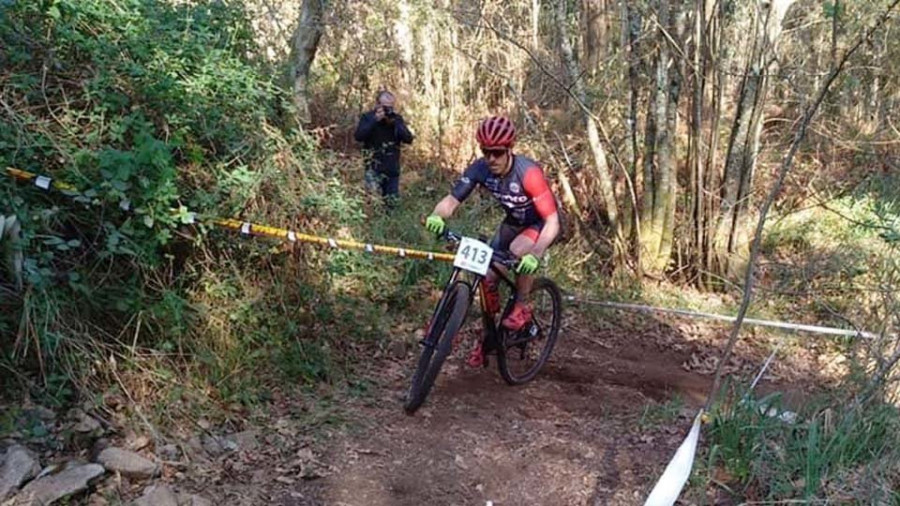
column 786, row 165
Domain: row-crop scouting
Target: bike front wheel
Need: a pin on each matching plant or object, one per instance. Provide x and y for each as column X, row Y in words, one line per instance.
column 443, row 330
column 522, row 353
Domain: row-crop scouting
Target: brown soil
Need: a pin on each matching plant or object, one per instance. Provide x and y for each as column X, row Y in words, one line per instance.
column 596, row 427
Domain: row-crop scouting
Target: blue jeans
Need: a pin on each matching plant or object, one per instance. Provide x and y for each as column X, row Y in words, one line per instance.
column 389, row 186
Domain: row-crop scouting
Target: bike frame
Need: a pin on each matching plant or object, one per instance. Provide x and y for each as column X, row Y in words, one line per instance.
column 492, row 340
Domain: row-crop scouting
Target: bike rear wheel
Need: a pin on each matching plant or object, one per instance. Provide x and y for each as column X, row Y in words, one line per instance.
column 524, row 352
column 443, row 330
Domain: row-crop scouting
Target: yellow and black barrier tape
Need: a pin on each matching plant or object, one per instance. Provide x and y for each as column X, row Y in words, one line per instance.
column 42, row 182
column 252, row 229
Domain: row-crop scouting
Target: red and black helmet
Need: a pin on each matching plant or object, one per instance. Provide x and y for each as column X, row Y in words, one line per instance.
column 496, row 131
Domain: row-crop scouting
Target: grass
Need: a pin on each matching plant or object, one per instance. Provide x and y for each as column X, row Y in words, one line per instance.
column 657, row 414
column 830, row 452
column 820, row 266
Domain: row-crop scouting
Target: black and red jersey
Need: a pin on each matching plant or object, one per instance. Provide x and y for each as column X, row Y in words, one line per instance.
column 523, row 191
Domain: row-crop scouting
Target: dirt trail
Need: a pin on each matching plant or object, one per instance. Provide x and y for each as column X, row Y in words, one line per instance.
column 573, row 436
column 596, row 427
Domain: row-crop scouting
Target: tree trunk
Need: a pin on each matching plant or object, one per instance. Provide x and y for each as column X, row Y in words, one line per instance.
column 404, row 38
column 658, row 209
column 730, row 245
column 305, row 43
column 715, row 56
column 695, row 149
column 604, row 175
column 669, row 177
column 593, row 14
column 632, row 47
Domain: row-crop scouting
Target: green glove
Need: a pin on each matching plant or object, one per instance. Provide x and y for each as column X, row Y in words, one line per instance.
column 528, row 264
column 435, row 224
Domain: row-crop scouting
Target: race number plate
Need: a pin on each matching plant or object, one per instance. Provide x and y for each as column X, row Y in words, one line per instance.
column 474, row 256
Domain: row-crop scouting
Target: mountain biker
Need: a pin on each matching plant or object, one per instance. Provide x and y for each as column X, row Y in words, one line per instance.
column 531, row 223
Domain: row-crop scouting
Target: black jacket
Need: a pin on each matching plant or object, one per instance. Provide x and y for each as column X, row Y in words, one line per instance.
column 381, row 141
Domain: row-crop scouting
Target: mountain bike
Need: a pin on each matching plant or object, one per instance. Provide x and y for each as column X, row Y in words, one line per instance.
column 520, row 354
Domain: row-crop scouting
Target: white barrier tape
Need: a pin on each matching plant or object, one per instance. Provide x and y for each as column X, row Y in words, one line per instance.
column 371, row 249
column 245, row 228
column 42, row 182
column 748, row 321
column 292, row 236
column 673, row 479
column 401, row 252
column 765, row 366
column 332, row 243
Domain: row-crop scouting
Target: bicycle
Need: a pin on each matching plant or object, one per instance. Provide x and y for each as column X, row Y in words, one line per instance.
column 512, row 348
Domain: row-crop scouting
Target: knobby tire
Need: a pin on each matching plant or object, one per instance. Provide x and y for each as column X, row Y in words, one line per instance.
column 445, row 327
column 540, row 284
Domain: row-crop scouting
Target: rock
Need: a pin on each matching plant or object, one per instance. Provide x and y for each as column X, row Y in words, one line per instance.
column 212, row 446
column 157, row 495
column 193, row 500
column 228, row 444
column 51, row 469
column 169, row 452
column 247, row 440
column 87, row 425
column 127, row 463
column 215, row 446
column 19, row 466
column 138, row 443
column 99, row 445
column 51, row 488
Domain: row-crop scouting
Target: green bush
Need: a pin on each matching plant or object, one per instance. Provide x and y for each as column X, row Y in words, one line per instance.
column 149, row 106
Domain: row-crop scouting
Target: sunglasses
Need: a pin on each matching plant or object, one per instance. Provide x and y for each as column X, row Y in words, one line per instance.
column 494, row 153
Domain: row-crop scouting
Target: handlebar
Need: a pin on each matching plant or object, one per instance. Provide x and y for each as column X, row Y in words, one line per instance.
column 504, row 258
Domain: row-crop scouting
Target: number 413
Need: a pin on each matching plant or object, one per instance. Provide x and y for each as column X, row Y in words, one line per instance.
column 476, row 255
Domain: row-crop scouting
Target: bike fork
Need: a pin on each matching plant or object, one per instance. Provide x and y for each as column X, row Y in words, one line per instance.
column 430, row 340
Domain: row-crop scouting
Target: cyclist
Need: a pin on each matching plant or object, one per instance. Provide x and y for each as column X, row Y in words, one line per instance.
column 531, row 223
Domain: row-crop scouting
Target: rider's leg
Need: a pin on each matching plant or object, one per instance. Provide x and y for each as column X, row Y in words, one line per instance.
column 491, row 293
column 520, row 247
column 521, row 312
column 504, row 235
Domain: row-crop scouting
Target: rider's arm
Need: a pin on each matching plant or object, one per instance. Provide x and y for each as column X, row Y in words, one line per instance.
column 536, row 187
column 460, row 191
column 446, row 206
column 548, row 234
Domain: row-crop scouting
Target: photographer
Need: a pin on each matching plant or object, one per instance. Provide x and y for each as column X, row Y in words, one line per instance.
column 381, row 131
